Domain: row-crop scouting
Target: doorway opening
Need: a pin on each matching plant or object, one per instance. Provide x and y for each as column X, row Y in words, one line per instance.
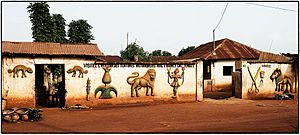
column 212, row 89
column 50, row 85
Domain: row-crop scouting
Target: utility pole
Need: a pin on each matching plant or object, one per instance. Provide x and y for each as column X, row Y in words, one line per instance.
column 127, row 39
column 213, row 52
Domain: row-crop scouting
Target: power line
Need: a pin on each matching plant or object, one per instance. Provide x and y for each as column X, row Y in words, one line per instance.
column 272, row 7
column 221, row 17
column 213, row 52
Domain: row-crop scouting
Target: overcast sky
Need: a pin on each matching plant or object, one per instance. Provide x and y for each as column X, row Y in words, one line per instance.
column 168, row 26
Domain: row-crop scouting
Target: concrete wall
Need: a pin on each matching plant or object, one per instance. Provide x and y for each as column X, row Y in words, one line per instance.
column 18, row 91
column 219, row 82
column 266, row 87
column 162, row 91
column 21, row 91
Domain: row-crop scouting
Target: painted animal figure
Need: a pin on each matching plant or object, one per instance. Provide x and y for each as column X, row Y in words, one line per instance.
column 282, row 82
column 77, row 68
column 21, row 68
column 145, row 81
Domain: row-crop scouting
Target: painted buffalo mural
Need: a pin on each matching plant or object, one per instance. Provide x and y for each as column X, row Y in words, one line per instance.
column 146, row 81
column 282, row 82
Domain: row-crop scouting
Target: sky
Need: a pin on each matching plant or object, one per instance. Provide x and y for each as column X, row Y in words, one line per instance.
column 168, row 26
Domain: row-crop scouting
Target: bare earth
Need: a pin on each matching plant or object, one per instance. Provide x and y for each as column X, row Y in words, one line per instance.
column 210, row 116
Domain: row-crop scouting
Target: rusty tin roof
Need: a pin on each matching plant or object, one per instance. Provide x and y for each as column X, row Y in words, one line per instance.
column 163, row 58
column 224, row 49
column 46, row 48
column 112, row 58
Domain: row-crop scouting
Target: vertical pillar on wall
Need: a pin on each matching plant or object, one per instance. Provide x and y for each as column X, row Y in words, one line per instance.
column 244, row 79
column 199, row 81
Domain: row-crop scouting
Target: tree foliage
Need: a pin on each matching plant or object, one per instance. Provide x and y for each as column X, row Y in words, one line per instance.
column 42, row 25
column 166, row 53
column 185, row 50
column 134, row 49
column 59, row 28
column 80, row 32
column 160, row 53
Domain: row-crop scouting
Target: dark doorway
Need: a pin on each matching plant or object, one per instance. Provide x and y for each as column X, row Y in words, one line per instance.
column 50, row 85
column 207, row 69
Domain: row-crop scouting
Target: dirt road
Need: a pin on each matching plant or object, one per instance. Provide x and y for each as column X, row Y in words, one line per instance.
column 212, row 116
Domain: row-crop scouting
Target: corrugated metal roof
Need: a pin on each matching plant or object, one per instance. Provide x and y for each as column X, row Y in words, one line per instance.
column 264, row 56
column 46, row 48
column 162, row 58
column 110, row 58
column 224, row 49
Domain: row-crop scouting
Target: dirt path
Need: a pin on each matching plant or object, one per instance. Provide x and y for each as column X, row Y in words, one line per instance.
column 213, row 116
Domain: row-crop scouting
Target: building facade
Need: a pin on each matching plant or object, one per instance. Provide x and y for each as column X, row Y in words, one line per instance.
column 57, row 75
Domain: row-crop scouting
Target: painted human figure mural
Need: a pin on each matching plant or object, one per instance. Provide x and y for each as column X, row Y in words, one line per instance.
column 146, row 81
column 106, row 89
column 175, row 76
column 282, row 82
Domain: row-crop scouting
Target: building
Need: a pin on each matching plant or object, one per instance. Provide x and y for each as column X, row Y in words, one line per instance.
column 223, row 57
column 38, row 74
column 55, row 75
column 219, row 62
column 30, row 70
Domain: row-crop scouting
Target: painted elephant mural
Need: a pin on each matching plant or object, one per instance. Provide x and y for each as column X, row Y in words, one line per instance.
column 282, row 82
column 146, row 81
column 106, row 89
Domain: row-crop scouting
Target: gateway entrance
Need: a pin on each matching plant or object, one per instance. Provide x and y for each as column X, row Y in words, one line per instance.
column 50, row 85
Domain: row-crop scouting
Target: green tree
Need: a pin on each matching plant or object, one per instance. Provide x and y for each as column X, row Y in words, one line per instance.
column 132, row 50
column 185, row 50
column 156, row 53
column 166, row 53
column 42, row 25
column 59, row 28
column 80, row 32
column 160, row 53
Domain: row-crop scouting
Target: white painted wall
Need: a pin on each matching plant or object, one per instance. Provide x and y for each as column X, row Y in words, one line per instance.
column 217, row 78
column 200, row 88
column 24, row 88
column 119, row 76
column 267, row 90
column 217, row 72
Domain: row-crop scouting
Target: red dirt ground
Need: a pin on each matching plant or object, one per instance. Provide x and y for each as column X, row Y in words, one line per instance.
column 209, row 116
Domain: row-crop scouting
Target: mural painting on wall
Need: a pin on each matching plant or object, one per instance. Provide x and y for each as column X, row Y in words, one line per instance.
column 88, row 88
column 79, row 69
column 282, row 82
column 146, row 81
column 262, row 74
column 175, row 76
column 21, row 68
column 106, row 89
